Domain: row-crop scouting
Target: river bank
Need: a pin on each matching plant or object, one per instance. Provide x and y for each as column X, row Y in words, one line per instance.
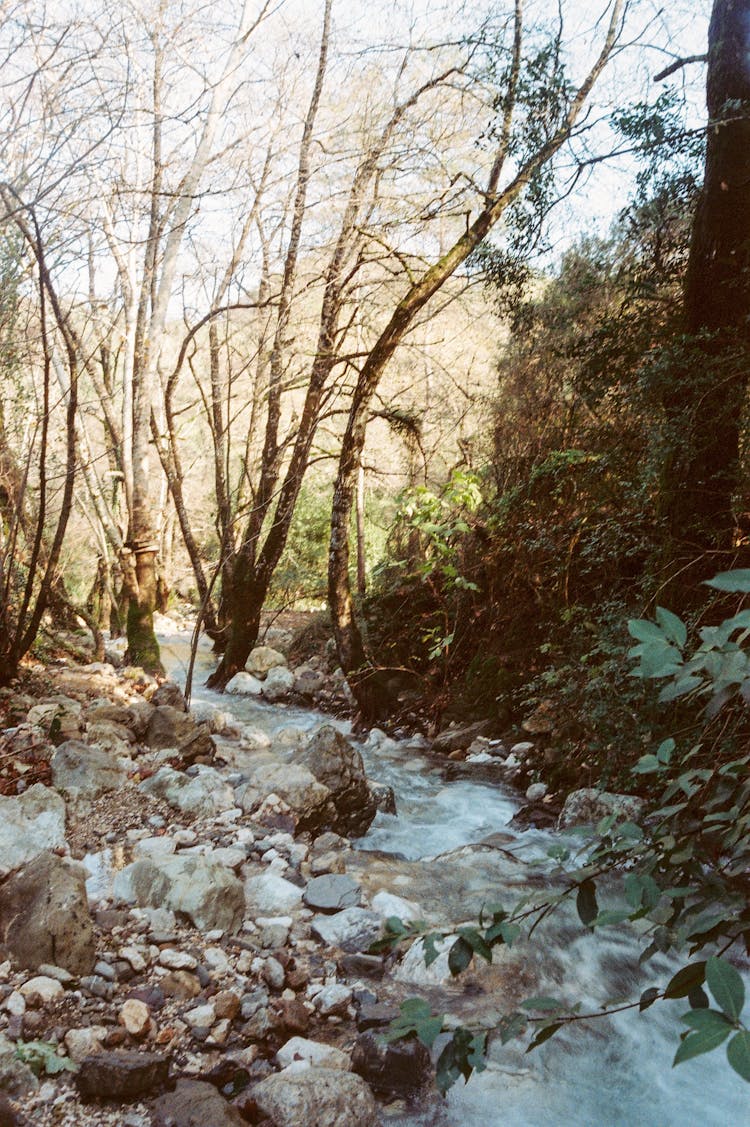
column 223, row 875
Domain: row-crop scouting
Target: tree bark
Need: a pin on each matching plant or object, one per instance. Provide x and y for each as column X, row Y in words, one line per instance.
column 704, row 406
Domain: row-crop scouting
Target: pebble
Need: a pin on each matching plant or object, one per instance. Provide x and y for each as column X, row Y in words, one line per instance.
column 105, row 970
column 41, row 990
column 273, row 973
column 135, row 1017
column 15, row 1004
column 201, row 1017
column 135, row 957
column 177, row 960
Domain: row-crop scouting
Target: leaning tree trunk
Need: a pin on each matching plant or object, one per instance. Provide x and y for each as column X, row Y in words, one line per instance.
column 704, row 407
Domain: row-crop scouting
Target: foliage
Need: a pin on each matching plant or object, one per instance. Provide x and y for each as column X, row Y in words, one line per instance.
column 42, row 1057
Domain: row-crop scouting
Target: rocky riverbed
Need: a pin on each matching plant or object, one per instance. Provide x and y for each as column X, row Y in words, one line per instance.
column 187, row 901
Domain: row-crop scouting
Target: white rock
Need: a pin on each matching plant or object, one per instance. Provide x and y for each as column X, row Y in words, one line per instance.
column 244, row 684
column 15, row 1004
column 135, row 957
column 232, row 858
column 313, row 1053
column 81, row 1043
column 412, row 967
column 536, row 792
column 29, row 825
column 279, row 681
column 270, row 894
column 177, row 960
column 216, row 959
column 154, row 847
column 135, row 1016
column 201, row 1017
column 333, row 999
column 40, row 990
column 387, row 904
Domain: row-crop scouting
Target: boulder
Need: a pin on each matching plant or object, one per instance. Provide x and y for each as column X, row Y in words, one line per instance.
column 194, row 1103
column 338, row 765
column 278, row 684
column 268, row 893
column 171, row 694
column 59, row 718
column 456, row 739
column 396, row 1070
column 122, row 1075
column 354, row 929
column 262, row 660
column 85, row 770
column 44, row 915
column 244, row 684
column 298, row 788
column 194, row 886
column 308, row 682
column 170, row 727
column 204, row 794
column 413, row 969
column 30, row 824
column 332, row 893
column 134, row 717
column 323, row 1097
column 387, row 904
column 588, row 806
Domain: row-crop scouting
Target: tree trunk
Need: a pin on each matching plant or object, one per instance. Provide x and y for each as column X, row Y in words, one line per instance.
column 143, row 648
column 705, row 405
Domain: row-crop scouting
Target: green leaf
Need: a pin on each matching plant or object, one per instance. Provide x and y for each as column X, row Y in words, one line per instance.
column 672, row 626
column 544, row 1035
column 648, row 997
column 459, row 956
column 586, row 903
column 541, row 1003
column 643, row 630
column 703, row 1041
column 431, row 950
column 705, row 1021
column 736, row 581
column 686, row 979
column 738, row 1054
column 726, row 985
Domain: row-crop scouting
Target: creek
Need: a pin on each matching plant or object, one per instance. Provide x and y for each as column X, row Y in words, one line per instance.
column 611, row 1072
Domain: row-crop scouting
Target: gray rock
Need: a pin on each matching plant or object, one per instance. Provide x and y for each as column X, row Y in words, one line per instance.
column 456, row 739
column 333, row 999
column 170, row 727
column 85, row 769
column 332, row 893
column 121, row 1075
column 308, row 682
column 193, row 1103
column 323, row 1097
column 171, row 694
column 205, row 794
column 203, row 890
column 279, row 683
column 399, row 1069
column 536, row 792
column 588, row 806
column 44, row 915
column 338, row 765
column 30, row 824
column 353, row 930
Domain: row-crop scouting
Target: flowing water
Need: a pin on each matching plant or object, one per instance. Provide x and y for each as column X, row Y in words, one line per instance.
column 614, row 1072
